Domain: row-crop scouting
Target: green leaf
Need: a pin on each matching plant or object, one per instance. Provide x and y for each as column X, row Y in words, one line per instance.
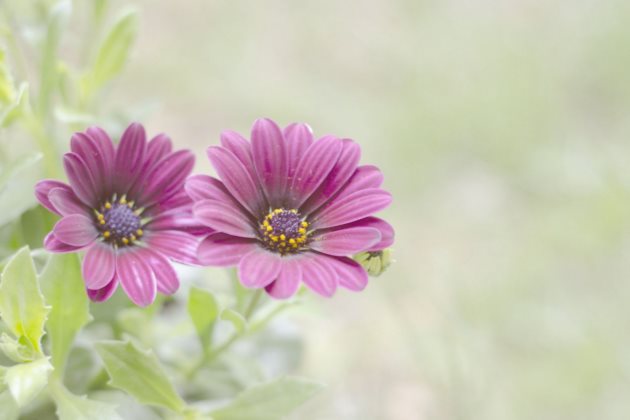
column 74, row 407
column 237, row 320
column 112, row 54
column 20, row 107
column 203, row 308
column 8, row 407
column 16, row 351
column 22, row 305
column 59, row 16
column 139, row 373
column 26, row 380
column 16, row 186
column 7, row 89
column 270, row 401
column 63, row 287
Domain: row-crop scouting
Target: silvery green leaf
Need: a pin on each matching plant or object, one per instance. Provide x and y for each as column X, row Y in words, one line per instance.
column 139, row 373
column 235, row 318
column 269, row 401
column 203, row 309
column 16, row 351
column 26, row 380
column 64, row 289
column 74, row 407
column 8, row 407
column 16, row 186
column 7, row 89
column 112, row 54
column 22, row 305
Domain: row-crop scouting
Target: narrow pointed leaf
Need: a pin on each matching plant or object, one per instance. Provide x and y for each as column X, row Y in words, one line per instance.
column 74, row 407
column 25, row 381
column 203, row 309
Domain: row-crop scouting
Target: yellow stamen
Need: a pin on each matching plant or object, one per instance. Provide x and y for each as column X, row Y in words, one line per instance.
column 274, row 238
column 102, row 221
column 282, row 237
column 133, row 237
column 292, row 241
column 140, row 232
column 269, row 228
column 108, row 205
column 302, row 231
column 106, row 234
column 304, row 224
column 125, row 241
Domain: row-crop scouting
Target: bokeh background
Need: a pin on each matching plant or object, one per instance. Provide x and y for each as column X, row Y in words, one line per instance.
column 502, row 128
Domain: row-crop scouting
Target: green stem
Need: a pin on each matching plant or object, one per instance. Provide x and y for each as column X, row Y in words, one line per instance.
column 253, row 303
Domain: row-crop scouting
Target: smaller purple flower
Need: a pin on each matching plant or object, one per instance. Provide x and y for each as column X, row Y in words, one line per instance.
column 289, row 209
column 126, row 206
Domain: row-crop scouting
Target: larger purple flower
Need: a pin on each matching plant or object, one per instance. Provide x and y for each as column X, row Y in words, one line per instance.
column 127, row 207
column 289, row 210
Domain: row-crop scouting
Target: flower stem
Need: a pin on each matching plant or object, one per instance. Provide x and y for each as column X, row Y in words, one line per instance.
column 253, row 303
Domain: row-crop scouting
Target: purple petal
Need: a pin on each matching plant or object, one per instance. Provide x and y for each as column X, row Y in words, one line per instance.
column 99, row 265
column 88, row 149
column 166, row 177
column 346, row 241
column 42, row 188
column 349, row 273
column 288, row 280
column 136, row 277
column 259, row 268
column 76, row 230
column 64, row 200
column 365, row 177
column 338, row 176
column 130, row 157
column 224, row 217
column 221, row 250
column 101, row 295
column 159, row 147
column 352, row 207
column 297, row 137
column 270, row 159
column 315, row 165
column 237, row 179
column 80, row 179
column 201, row 187
column 165, row 275
column 52, row 244
column 319, row 276
column 177, row 245
column 183, row 220
column 107, row 153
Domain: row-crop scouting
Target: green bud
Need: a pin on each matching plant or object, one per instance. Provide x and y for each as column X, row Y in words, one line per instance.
column 374, row 262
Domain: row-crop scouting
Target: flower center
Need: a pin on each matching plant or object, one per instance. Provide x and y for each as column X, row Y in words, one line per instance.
column 119, row 222
column 284, row 231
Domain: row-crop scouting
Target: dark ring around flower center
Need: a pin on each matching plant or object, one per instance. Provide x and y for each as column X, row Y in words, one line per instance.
column 119, row 221
column 284, row 231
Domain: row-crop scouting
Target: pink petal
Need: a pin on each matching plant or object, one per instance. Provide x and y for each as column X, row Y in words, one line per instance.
column 338, row 176
column 136, row 277
column 66, row 202
column 80, row 179
column 52, row 244
column 270, row 159
column 360, row 204
column 349, row 273
column 297, row 137
column 346, row 241
column 237, row 179
column 224, row 217
column 99, row 265
column 201, row 187
column 241, row 148
column 104, row 293
column 386, row 230
column 42, row 188
column 365, row 177
column 288, row 281
column 177, row 245
column 259, row 268
column 130, row 157
column 315, row 165
column 76, row 230
column 159, row 147
column 221, row 250
column 165, row 275
column 167, row 176
column 179, row 220
column 319, row 276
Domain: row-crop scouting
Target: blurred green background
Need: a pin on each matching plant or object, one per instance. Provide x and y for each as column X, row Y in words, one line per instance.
column 502, row 129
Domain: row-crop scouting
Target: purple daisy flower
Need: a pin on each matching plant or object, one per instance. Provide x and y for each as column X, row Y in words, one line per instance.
column 127, row 207
column 289, row 209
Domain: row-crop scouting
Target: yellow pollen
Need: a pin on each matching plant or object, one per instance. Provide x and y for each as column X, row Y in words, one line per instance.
column 130, row 204
column 304, row 224
column 106, row 234
column 282, row 237
column 274, row 238
column 269, row 228
column 125, row 241
column 108, row 205
column 123, row 200
column 292, row 241
column 302, row 231
column 139, row 232
column 277, row 211
column 133, row 237
column 294, row 245
column 102, row 221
